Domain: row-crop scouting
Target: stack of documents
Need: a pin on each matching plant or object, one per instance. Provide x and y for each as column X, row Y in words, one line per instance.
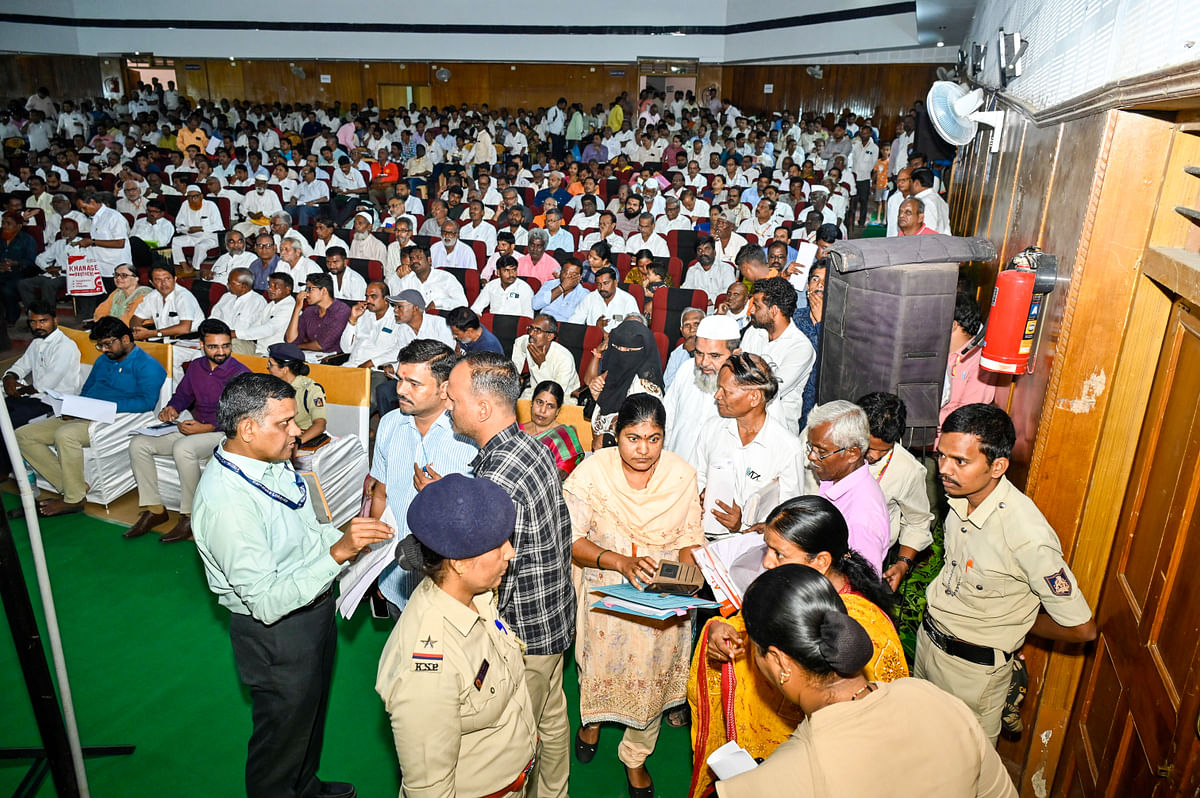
column 729, row 566
column 628, row 600
column 361, row 574
column 75, row 406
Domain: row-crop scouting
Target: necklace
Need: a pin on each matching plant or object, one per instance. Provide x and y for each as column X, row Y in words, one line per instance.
column 294, row 504
column 866, row 688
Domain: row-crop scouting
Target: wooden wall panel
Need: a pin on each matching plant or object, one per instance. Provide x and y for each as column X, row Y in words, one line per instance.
column 880, row 91
column 64, row 75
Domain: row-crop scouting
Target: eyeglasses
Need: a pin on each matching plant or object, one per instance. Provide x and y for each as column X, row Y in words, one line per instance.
column 264, row 246
column 822, row 457
column 123, row 274
column 540, row 331
column 106, row 343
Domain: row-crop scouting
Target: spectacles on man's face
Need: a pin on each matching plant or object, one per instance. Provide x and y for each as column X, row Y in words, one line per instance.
column 534, row 330
column 107, row 343
column 818, row 455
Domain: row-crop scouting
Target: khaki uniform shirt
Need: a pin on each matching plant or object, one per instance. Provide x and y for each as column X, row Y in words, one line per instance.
column 453, row 682
column 907, row 727
column 901, row 477
column 310, row 401
column 1003, row 563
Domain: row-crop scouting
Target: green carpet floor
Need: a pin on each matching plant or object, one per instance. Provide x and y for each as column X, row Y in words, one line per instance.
column 150, row 664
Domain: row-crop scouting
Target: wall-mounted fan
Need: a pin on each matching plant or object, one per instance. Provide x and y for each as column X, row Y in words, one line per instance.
column 815, row 72
column 954, row 112
column 442, row 74
column 299, row 72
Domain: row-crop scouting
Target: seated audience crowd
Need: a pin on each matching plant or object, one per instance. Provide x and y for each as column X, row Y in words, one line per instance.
column 643, row 285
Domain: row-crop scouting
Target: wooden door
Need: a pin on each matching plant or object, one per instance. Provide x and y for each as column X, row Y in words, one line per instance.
column 394, row 95
column 1134, row 728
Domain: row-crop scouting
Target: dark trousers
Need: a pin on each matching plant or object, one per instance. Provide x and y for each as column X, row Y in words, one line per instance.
column 558, row 146
column 862, row 198
column 85, row 306
column 287, row 666
column 385, row 397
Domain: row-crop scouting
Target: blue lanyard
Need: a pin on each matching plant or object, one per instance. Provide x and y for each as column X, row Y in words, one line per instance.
column 279, row 497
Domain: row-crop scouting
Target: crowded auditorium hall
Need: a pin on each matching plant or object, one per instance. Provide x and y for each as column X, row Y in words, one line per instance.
column 680, row 400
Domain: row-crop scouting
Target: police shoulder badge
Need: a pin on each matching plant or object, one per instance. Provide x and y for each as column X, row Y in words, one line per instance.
column 1060, row 583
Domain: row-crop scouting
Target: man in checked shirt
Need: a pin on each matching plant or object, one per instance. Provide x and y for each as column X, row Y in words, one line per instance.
column 536, row 597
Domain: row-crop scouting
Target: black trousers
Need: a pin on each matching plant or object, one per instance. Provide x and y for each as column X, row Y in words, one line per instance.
column 862, row 198
column 287, row 666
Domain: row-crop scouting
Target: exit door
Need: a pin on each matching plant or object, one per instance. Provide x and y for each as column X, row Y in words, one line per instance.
column 1134, row 729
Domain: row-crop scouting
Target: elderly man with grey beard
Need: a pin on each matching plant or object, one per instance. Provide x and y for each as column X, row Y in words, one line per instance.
column 689, row 401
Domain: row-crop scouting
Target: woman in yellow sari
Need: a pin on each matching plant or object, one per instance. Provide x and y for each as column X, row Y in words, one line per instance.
column 729, row 698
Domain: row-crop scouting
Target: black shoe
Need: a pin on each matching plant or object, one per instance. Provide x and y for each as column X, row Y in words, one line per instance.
column 585, row 752
column 337, row 789
column 639, row 792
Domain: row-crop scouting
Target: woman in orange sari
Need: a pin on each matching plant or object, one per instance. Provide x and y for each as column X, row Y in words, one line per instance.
column 729, row 698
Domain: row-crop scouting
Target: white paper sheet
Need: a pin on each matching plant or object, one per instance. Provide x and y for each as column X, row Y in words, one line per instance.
column 83, row 407
column 356, row 579
column 730, row 760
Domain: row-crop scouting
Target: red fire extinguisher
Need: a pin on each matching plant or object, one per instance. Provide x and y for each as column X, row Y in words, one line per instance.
column 1017, row 305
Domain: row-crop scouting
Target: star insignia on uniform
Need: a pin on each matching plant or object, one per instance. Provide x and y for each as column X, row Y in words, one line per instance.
column 428, row 642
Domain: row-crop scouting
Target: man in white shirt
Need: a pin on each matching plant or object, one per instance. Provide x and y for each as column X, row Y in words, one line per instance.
column 310, row 196
column 363, row 243
column 901, row 477
column 131, row 200
column 937, row 212
column 726, row 243
column 903, row 191
column 607, row 233
column 672, row 219
column 259, row 205
column 586, row 218
column 281, row 228
column 545, row 359
column 646, row 238
column 294, row 264
column 257, row 336
column 708, row 274
column 439, row 289
column 689, row 400
column 196, row 225
column 763, row 225
column 450, row 252
column 168, row 311
column 235, row 256
column 409, row 309
column 402, row 233
column 371, row 336
column 753, row 450
column 49, row 363
column 324, row 232
column 608, row 305
column 506, row 295
column 787, row 350
column 53, row 264
column 477, row 229
column 347, row 283
column 240, row 306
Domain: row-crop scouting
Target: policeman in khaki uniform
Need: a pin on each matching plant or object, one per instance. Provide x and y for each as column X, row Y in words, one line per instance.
column 452, row 674
column 1004, row 575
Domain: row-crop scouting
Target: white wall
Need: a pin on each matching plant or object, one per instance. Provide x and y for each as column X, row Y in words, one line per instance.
column 1079, row 46
column 896, row 33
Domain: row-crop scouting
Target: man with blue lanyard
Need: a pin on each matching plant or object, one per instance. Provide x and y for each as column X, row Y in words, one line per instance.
column 272, row 564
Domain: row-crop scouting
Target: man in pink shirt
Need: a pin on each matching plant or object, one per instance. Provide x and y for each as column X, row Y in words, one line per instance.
column 838, row 438
column 966, row 383
column 911, row 218
column 536, row 263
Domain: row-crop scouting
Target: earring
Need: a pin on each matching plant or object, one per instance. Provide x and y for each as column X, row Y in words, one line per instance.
column 784, row 675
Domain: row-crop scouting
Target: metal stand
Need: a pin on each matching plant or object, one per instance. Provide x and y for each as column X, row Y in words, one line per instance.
column 54, row 758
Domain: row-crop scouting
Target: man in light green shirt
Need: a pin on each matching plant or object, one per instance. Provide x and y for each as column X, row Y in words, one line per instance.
column 272, row 565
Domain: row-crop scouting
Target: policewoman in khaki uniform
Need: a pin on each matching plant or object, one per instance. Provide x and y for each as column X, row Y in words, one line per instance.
column 1004, row 575
column 286, row 361
column 452, row 676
